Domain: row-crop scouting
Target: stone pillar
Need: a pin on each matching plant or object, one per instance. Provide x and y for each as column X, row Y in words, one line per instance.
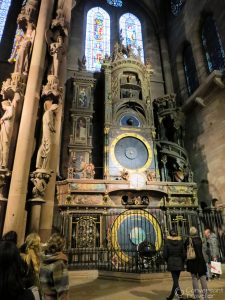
column 166, row 69
column 15, row 213
column 47, row 211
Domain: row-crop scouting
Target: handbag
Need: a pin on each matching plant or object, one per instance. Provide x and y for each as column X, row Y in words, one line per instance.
column 215, row 267
column 190, row 250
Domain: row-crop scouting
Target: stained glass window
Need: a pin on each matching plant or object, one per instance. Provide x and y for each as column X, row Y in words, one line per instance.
column 190, row 69
column 176, row 6
column 97, row 38
column 4, row 7
column 116, row 3
column 131, row 34
column 212, row 45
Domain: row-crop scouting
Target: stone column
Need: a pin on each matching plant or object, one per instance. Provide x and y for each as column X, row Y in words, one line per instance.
column 15, row 213
column 166, row 69
column 47, row 211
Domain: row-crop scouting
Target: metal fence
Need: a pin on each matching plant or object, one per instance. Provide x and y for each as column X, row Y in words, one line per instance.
column 129, row 240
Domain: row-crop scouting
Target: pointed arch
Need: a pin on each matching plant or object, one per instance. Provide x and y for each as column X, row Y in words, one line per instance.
column 131, row 33
column 4, row 8
column 97, row 43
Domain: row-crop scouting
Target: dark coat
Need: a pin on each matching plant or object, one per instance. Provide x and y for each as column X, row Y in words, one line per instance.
column 174, row 253
column 197, row 265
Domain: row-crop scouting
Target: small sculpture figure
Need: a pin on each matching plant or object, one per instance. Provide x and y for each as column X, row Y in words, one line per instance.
column 151, row 176
column 117, row 52
column 178, row 126
column 6, row 122
column 21, row 53
column 57, row 51
column 81, row 133
column 82, row 63
column 89, row 171
column 124, row 174
column 48, row 123
column 130, row 51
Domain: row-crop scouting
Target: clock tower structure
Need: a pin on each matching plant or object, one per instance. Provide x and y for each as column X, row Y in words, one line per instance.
column 129, row 147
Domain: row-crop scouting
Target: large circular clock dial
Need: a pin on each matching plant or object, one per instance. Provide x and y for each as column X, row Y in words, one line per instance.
column 131, row 153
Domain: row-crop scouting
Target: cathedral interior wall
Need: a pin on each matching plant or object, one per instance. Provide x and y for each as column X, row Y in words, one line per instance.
column 204, row 138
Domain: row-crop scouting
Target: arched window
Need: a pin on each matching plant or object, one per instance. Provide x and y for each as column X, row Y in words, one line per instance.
column 130, row 33
column 212, row 45
column 97, row 38
column 4, row 8
column 176, row 6
column 190, row 69
column 116, row 3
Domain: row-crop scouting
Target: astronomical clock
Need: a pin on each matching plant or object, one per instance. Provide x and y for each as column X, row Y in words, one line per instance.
column 130, row 152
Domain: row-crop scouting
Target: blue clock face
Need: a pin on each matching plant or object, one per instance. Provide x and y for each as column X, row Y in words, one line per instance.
column 131, row 153
column 132, row 229
column 129, row 120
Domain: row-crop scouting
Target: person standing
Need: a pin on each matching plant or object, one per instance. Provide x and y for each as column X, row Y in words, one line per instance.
column 10, row 236
column 54, row 273
column 11, row 274
column 197, row 266
column 30, row 253
column 213, row 249
column 174, row 255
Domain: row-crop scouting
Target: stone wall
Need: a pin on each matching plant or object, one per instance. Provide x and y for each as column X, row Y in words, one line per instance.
column 205, row 125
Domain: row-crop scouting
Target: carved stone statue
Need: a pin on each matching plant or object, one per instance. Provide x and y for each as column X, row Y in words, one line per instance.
column 82, row 63
column 178, row 126
column 124, row 174
column 48, row 123
column 57, row 51
column 6, row 122
column 21, row 53
column 117, row 52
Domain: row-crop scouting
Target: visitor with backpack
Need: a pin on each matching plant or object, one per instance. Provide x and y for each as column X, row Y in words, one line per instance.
column 54, row 273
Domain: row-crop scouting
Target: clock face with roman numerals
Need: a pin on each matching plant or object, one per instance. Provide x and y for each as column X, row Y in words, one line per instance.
column 132, row 151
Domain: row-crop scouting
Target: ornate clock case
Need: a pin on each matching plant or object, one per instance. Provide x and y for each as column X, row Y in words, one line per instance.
column 129, row 128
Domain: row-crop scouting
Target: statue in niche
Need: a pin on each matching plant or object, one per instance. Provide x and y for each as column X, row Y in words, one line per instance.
column 48, row 127
column 6, row 123
column 57, row 51
column 162, row 130
column 78, row 164
column 182, row 172
column 81, row 132
column 83, row 99
column 178, row 126
column 22, row 51
column 89, row 171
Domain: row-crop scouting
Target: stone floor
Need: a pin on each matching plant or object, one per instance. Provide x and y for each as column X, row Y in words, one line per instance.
column 88, row 285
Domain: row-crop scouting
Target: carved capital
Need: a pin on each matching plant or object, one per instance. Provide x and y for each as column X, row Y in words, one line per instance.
column 59, row 23
column 14, row 87
column 28, row 14
column 40, row 179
